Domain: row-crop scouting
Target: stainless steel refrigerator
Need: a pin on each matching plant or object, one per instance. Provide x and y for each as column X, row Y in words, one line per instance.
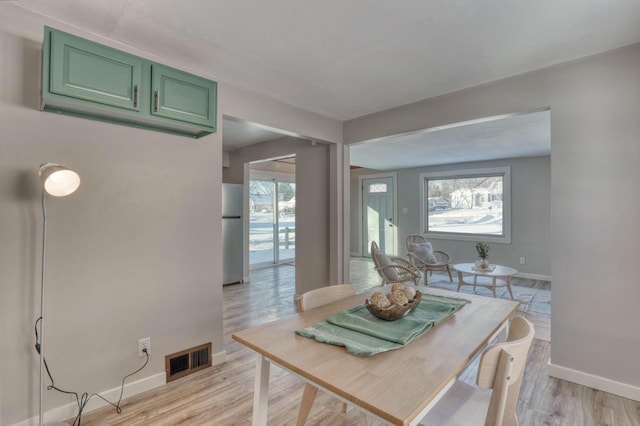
column 232, row 253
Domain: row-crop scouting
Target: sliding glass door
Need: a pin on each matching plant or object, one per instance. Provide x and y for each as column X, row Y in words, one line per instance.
column 272, row 220
column 261, row 219
column 286, row 222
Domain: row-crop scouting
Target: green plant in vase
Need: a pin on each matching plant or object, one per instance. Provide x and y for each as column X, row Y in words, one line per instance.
column 483, row 254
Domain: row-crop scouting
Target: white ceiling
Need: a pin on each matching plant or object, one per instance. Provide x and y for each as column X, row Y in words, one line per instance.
column 345, row 59
column 237, row 134
column 526, row 135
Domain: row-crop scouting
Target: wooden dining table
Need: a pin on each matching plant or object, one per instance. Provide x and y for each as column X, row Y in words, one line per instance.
column 398, row 387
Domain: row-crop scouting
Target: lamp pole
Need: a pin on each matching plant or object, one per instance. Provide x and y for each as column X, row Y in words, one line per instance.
column 58, row 181
column 41, row 338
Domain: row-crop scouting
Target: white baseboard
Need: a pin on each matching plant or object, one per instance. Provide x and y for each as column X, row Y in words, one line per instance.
column 69, row 411
column 219, row 358
column 533, row 276
column 624, row 390
column 355, row 254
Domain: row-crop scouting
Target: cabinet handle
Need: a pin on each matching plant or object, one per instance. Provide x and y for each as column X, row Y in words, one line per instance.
column 136, row 96
column 156, row 106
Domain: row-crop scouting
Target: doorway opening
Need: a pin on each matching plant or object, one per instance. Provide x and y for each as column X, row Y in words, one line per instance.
column 272, row 212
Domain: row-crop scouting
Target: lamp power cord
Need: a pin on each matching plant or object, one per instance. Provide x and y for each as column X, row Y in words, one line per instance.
column 83, row 399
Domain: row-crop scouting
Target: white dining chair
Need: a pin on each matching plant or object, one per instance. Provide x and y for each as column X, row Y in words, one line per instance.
column 313, row 299
column 501, row 368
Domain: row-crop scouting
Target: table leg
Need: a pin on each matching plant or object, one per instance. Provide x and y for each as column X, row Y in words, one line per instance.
column 508, row 282
column 460, row 280
column 363, row 419
column 261, row 391
column 493, row 286
column 308, row 396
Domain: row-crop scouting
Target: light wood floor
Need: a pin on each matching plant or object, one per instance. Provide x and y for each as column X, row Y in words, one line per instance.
column 222, row 395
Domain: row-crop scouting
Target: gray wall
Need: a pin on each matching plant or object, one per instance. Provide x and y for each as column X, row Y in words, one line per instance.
column 530, row 214
column 595, row 201
column 128, row 254
column 134, row 253
column 312, row 202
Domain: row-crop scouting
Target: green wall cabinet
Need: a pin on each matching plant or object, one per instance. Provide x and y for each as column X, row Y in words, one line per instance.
column 182, row 96
column 90, row 80
column 84, row 70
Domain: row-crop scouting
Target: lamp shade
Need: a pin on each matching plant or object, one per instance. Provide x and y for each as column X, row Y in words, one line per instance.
column 58, row 180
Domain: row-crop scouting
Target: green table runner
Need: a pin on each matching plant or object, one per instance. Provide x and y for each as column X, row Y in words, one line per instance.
column 363, row 334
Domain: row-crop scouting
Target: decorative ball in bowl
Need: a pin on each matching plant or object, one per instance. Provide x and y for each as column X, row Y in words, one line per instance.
column 399, row 302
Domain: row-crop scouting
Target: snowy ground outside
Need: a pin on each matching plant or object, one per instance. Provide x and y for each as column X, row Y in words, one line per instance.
column 261, row 237
column 478, row 220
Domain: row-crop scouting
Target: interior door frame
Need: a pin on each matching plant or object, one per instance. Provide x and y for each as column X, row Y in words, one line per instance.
column 394, row 178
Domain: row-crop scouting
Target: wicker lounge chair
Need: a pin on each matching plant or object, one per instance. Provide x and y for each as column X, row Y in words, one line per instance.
column 393, row 269
column 425, row 258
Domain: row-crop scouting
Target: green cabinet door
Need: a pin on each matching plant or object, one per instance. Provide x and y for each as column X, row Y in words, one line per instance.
column 85, row 70
column 181, row 96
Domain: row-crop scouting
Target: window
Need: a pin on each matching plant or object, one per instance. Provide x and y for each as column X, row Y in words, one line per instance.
column 467, row 204
column 378, row 187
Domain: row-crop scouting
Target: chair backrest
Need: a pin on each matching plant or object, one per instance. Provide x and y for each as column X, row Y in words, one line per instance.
column 416, row 239
column 323, row 295
column 374, row 251
column 380, row 259
column 501, row 369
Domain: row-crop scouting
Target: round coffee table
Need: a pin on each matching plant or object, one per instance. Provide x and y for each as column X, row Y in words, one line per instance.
column 499, row 276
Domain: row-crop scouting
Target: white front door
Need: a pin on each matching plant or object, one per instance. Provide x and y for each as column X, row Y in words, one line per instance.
column 378, row 215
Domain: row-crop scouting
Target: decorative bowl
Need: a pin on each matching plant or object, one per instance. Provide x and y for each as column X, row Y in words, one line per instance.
column 394, row 311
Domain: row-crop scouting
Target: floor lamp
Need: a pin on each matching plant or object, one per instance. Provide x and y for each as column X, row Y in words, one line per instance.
column 57, row 181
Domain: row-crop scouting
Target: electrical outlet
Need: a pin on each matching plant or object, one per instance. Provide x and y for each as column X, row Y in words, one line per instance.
column 144, row 344
column 522, row 260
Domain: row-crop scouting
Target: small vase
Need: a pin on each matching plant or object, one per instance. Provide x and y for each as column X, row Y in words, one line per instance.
column 482, row 264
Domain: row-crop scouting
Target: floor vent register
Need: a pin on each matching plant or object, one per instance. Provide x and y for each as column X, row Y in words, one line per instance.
column 189, row 361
